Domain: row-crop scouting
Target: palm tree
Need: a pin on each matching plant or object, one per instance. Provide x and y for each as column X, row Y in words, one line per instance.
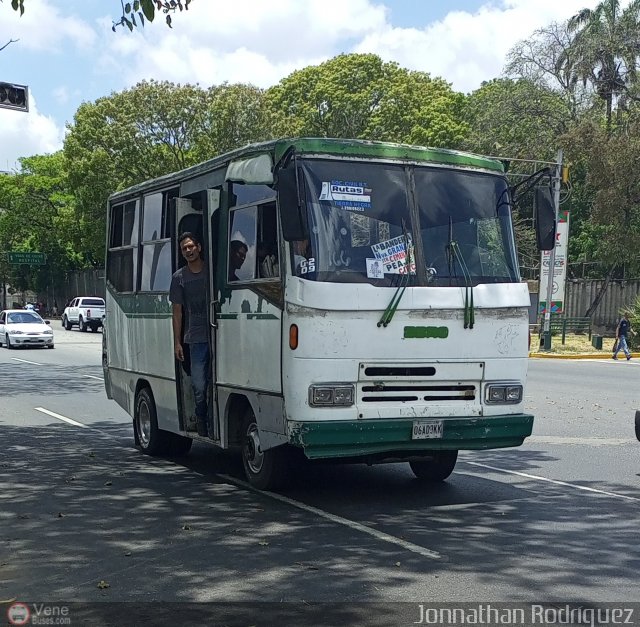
column 605, row 49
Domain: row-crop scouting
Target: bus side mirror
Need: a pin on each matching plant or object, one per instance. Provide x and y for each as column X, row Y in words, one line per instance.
column 545, row 218
column 293, row 206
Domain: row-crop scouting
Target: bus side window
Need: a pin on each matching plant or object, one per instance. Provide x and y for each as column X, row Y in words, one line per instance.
column 242, row 245
column 268, row 257
column 253, row 243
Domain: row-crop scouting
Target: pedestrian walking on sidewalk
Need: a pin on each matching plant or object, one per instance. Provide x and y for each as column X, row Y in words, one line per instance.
column 622, row 333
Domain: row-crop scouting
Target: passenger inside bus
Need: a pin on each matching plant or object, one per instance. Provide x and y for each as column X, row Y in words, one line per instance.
column 237, row 254
column 268, row 260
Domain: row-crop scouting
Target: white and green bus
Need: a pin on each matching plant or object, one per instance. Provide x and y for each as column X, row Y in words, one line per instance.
column 378, row 316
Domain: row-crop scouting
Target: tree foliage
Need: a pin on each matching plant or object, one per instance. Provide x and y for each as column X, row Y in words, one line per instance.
column 37, row 214
column 604, row 50
column 361, row 97
column 515, row 118
column 616, row 201
column 135, row 12
column 153, row 129
column 146, row 10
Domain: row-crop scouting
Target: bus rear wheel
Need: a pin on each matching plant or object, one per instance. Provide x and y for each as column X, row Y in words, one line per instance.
column 149, row 438
column 265, row 470
column 435, row 468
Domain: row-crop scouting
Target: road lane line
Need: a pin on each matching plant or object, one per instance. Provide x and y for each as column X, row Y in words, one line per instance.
column 24, row 361
column 351, row 524
column 90, row 376
column 555, row 481
column 59, row 417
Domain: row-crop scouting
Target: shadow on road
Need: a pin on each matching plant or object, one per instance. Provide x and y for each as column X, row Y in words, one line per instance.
column 78, row 507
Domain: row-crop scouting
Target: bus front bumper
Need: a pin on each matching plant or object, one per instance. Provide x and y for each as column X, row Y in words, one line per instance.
column 392, row 439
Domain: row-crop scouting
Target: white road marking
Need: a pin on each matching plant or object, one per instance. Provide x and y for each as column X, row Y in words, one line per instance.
column 555, row 481
column 25, row 361
column 351, row 524
column 59, row 417
column 552, row 439
column 90, row 376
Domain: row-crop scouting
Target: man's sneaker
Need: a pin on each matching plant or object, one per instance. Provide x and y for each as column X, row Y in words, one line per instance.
column 615, row 357
column 628, row 357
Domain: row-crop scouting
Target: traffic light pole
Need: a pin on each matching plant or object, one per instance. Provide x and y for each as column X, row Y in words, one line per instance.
column 557, row 182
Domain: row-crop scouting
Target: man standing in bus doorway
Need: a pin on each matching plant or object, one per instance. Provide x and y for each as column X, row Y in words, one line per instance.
column 188, row 296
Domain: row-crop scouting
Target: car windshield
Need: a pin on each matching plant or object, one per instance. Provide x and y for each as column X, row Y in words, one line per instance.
column 363, row 230
column 23, row 317
column 92, row 302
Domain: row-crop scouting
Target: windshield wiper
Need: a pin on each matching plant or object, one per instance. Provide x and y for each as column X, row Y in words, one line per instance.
column 455, row 255
column 390, row 311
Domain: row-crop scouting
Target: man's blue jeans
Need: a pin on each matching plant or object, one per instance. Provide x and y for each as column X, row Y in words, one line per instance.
column 199, row 377
column 622, row 345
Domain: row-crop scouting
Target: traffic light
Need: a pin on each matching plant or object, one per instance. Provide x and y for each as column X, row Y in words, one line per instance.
column 14, row 97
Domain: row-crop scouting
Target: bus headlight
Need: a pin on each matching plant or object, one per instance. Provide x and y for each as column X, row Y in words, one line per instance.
column 497, row 394
column 331, row 394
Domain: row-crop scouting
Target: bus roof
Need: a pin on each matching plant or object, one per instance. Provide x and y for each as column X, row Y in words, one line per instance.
column 358, row 148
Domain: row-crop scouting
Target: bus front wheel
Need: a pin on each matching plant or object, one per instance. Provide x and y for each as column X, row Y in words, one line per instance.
column 149, row 438
column 435, row 468
column 265, row 470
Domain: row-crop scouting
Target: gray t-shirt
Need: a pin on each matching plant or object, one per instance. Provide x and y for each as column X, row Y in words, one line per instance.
column 190, row 290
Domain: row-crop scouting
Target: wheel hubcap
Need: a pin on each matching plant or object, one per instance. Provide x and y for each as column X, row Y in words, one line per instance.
column 144, row 425
column 252, row 450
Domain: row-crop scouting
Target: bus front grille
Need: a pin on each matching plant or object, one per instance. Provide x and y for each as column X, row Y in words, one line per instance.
column 434, row 387
column 381, row 392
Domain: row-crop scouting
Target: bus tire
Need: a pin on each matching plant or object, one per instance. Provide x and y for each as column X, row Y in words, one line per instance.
column 264, row 470
column 149, row 438
column 435, row 468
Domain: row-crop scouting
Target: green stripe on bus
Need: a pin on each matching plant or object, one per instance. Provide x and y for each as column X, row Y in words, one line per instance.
column 426, row 332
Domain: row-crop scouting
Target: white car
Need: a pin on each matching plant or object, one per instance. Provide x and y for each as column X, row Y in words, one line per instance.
column 23, row 327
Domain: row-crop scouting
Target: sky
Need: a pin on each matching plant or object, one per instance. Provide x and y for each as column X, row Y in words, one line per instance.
column 66, row 52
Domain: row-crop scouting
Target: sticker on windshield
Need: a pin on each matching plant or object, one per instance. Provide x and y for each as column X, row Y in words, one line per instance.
column 392, row 253
column 374, row 269
column 349, row 195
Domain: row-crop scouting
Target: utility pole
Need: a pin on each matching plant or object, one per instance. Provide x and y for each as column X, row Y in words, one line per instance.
column 557, row 182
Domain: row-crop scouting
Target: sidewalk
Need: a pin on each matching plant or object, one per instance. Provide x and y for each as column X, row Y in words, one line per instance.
column 593, row 355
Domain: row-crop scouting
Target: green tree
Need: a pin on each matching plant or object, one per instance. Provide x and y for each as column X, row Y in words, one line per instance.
column 616, row 197
column 362, row 97
column 515, row 118
column 546, row 59
column 38, row 215
column 152, row 129
column 604, row 50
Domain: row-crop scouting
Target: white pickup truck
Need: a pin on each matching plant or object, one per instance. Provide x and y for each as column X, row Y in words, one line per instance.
column 85, row 311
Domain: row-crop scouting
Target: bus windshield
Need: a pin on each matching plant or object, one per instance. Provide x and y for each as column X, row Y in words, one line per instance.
column 363, row 230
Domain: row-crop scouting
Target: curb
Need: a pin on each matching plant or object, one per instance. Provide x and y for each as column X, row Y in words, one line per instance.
column 576, row 356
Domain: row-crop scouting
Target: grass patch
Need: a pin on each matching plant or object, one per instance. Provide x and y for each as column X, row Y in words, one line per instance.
column 575, row 344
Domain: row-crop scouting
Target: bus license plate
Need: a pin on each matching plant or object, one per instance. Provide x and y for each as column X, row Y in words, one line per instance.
column 426, row 429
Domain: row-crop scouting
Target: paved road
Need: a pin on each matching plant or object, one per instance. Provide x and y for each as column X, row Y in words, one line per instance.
column 553, row 520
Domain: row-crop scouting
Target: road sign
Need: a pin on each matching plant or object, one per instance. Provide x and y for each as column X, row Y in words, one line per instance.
column 37, row 259
column 14, row 97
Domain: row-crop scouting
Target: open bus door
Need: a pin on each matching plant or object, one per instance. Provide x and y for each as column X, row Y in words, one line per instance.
column 190, row 218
